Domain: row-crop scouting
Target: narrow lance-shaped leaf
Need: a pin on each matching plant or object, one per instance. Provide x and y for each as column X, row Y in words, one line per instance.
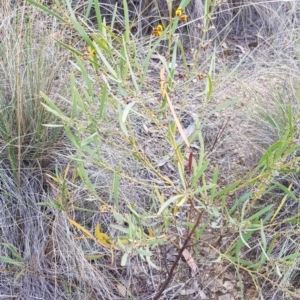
column 124, row 259
column 46, row 10
column 169, row 202
column 11, row 261
column 98, row 15
column 126, row 111
column 190, row 161
column 103, row 239
column 86, row 76
column 116, row 186
column 181, row 174
column 122, row 124
column 209, row 87
column 164, row 93
column 103, row 101
column 81, row 228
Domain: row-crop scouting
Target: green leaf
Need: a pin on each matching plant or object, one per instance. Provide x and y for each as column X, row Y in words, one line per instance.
column 126, row 111
column 144, row 252
column 180, row 171
column 71, row 49
column 204, row 188
column 55, row 204
column 169, row 202
column 118, row 227
column 173, row 60
column 81, row 31
column 244, row 262
column 54, row 112
column 225, row 105
column 209, row 87
column 109, row 67
column 52, row 107
column 103, row 100
column 118, row 217
column 214, row 181
column 242, row 239
column 46, row 10
column 150, row 51
column 228, row 189
column 184, row 3
column 11, row 261
column 263, row 236
column 98, row 15
column 84, row 176
column 239, row 201
column 174, row 25
column 202, row 149
column 121, row 244
column 133, row 76
column 13, row 251
column 124, row 259
column 151, row 264
column 200, row 170
column 134, row 212
column 291, row 256
column 285, row 190
column 116, row 186
column 89, row 139
column 156, row 241
column 88, row 10
column 126, row 21
column 18, row 275
column 238, row 245
column 122, row 124
column 86, row 77
column 260, row 213
column 74, row 140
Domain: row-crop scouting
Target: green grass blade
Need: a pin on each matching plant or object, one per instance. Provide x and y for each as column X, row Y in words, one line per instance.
column 46, row 10
column 103, row 101
column 98, row 15
column 11, row 261
column 169, row 202
column 126, row 21
column 115, row 187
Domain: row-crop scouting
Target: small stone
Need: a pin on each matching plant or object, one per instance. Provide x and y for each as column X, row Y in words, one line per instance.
column 228, row 285
column 224, row 297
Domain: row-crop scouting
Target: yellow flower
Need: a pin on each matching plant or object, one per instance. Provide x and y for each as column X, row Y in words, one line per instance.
column 201, row 76
column 88, row 53
column 157, row 31
column 159, row 27
column 184, row 18
column 178, row 12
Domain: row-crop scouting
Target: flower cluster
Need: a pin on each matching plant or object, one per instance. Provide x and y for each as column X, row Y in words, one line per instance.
column 181, row 14
column 88, row 53
column 157, row 31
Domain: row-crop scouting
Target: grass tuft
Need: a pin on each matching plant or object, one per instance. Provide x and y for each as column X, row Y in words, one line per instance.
column 149, row 149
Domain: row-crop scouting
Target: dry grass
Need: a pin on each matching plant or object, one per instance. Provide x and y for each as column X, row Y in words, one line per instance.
column 46, row 180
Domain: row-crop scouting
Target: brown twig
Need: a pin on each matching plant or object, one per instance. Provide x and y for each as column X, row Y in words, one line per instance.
column 167, row 281
column 220, row 132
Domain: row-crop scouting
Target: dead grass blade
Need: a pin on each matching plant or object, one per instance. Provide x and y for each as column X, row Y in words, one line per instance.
column 85, row 231
column 165, row 94
column 190, row 261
